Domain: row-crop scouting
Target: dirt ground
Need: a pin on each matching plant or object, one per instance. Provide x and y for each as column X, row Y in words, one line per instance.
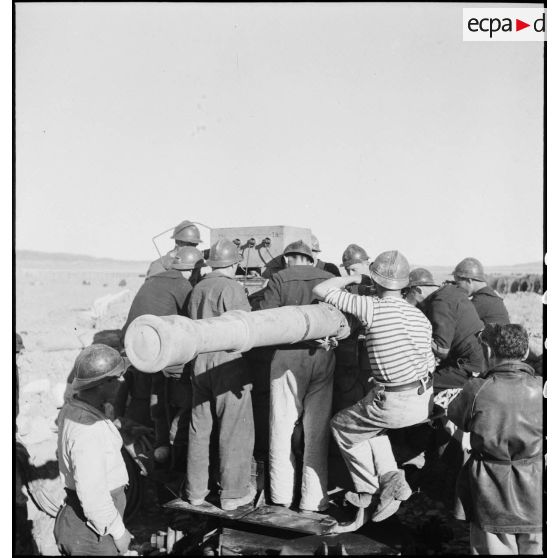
column 57, row 315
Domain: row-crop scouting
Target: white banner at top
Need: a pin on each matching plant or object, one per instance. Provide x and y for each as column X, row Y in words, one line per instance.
column 504, row 24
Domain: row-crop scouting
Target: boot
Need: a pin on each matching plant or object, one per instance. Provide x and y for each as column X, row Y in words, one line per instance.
column 359, row 499
column 393, row 490
column 230, row 504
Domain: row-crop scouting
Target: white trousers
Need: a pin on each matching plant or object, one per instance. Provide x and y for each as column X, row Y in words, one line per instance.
column 360, row 431
column 300, row 391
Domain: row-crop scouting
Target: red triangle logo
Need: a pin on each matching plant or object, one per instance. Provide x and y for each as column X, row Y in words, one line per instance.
column 519, row 25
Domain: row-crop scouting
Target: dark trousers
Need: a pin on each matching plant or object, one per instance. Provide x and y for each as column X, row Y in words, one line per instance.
column 260, row 363
column 171, row 403
column 74, row 537
column 134, row 396
column 350, row 384
column 351, row 379
column 221, row 399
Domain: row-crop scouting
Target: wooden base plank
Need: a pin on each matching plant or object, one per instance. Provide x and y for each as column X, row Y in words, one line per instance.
column 208, row 508
column 276, row 517
column 279, row 517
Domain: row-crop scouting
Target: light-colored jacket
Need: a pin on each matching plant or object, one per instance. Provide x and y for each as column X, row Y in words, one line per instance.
column 91, row 464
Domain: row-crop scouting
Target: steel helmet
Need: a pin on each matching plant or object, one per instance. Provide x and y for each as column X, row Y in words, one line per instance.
column 299, row 247
column 390, row 270
column 469, row 268
column 187, row 257
column 186, row 232
column 223, row 253
column 19, row 346
column 421, row 277
column 315, row 243
column 354, row 254
column 96, row 364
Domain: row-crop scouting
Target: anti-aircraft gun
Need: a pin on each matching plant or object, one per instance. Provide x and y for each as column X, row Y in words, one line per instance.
column 154, row 343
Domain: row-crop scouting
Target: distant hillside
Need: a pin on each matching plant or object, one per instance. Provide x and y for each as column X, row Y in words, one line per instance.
column 61, row 260
column 63, row 256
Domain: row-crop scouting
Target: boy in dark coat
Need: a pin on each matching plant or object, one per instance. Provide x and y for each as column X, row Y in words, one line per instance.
column 500, row 487
column 157, row 397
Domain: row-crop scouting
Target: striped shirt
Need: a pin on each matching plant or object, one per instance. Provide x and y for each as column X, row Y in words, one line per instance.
column 398, row 335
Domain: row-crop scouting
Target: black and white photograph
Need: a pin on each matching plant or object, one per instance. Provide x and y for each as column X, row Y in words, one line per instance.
column 279, row 278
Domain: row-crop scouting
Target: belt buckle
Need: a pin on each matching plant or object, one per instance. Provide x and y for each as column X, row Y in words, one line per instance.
column 422, row 387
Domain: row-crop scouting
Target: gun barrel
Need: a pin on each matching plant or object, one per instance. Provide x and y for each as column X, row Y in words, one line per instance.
column 153, row 343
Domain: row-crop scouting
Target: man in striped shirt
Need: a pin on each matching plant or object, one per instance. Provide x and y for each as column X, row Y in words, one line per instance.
column 398, row 340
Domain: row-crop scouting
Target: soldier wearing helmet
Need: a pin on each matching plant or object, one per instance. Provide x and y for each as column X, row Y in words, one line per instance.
column 301, row 382
column 455, row 329
column 221, row 386
column 326, row 266
column 398, row 338
column 421, row 285
column 163, row 294
column 355, row 260
column 184, row 234
column 352, row 367
column 89, row 457
column 469, row 275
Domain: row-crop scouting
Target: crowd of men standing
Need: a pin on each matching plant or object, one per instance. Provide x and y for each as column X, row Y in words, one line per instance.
column 415, row 344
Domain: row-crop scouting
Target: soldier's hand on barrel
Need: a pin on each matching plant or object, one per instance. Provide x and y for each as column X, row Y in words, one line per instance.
column 173, row 371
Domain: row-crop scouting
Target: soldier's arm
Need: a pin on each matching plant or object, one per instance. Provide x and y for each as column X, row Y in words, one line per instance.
column 443, row 327
column 361, row 307
column 235, row 298
column 271, row 295
column 89, row 470
column 460, row 410
column 322, row 289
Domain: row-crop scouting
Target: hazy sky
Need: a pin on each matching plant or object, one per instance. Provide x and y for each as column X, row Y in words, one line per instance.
column 367, row 123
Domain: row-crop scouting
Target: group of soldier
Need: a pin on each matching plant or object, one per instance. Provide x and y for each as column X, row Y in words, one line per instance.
column 417, row 346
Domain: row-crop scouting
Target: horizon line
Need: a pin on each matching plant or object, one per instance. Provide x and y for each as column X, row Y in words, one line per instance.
column 17, row 253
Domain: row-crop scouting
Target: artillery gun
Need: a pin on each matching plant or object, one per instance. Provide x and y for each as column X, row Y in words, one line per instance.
column 154, row 343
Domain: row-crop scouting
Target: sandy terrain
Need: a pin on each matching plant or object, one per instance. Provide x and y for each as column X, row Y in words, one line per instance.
column 56, row 315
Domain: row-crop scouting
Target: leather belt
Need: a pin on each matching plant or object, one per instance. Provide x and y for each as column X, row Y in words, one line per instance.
column 426, row 383
column 479, row 456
